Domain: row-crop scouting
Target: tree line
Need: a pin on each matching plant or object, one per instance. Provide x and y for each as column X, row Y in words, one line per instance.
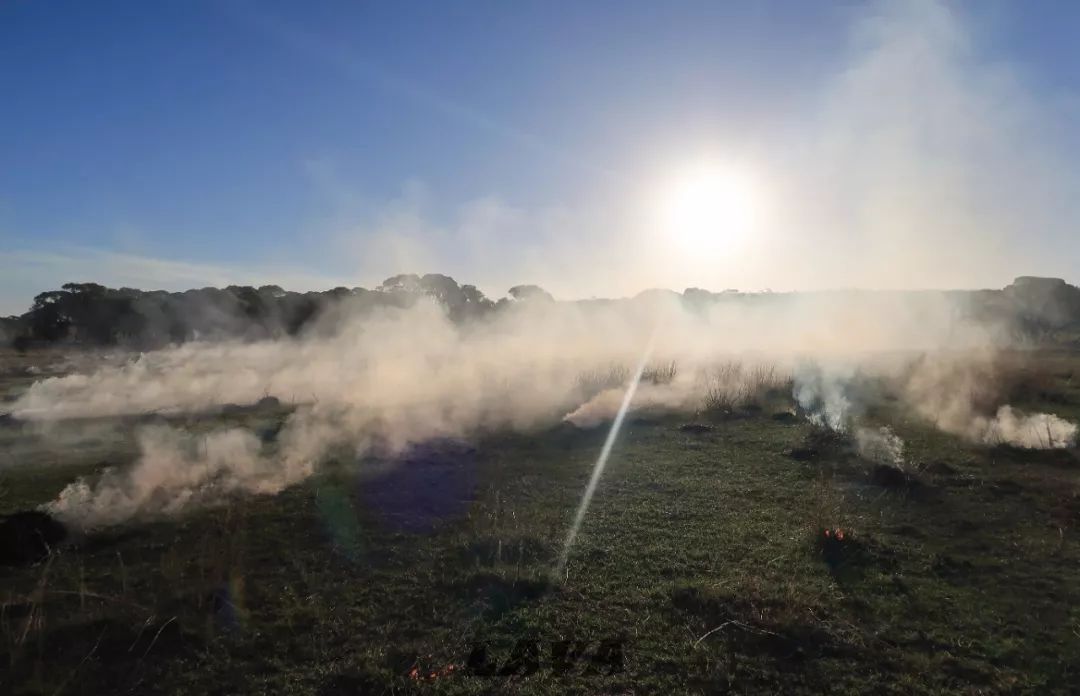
column 94, row 315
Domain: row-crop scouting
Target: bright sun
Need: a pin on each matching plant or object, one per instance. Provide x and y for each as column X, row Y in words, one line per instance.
column 708, row 208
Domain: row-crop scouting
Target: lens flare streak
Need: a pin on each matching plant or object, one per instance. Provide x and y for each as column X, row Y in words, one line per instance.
column 601, row 461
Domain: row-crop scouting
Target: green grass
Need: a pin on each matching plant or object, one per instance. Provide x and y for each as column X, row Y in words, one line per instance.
column 968, row 583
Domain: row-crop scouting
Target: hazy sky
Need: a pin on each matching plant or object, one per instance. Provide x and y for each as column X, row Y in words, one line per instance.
column 180, row 144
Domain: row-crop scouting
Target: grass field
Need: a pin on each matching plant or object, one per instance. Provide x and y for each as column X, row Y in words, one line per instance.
column 702, row 567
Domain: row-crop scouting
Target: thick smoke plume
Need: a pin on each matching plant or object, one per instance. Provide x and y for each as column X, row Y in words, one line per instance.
column 174, row 471
column 962, row 395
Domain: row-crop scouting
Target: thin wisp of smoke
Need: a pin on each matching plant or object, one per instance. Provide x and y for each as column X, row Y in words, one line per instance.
column 880, row 445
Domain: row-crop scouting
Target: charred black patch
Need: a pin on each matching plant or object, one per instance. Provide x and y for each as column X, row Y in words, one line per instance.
column 892, row 477
column 1053, row 458
column 950, row 568
column 837, row 548
column 118, row 648
column 907, row 530
column 29, row 536
column 849, row 557
column 355, row 683
column 803, row 454
column 1004, row 487
column 758, row 626
column 940, row 469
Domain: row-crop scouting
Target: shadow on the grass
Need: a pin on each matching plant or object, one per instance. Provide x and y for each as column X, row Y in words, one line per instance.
column 500, row 595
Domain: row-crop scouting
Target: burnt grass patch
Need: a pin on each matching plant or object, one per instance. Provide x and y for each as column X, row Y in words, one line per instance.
column 29, row 536
column 822, row 444
column 851, row 557
column 894, row 478
column 785, row 417
column 1064, row 458
column 758, row 637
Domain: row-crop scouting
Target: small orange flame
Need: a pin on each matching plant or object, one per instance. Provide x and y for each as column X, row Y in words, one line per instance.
column 835, row 533
column 446, row 671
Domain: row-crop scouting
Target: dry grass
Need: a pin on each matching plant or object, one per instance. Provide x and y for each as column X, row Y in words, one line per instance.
column 618, row 375
column 660, row 373
column 592, row 382
column 1022, row 379
column 992, row 380
column 730, row 385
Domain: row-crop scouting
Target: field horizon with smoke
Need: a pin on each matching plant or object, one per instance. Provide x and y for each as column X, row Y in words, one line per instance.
column 782, row 394
column 382, row 379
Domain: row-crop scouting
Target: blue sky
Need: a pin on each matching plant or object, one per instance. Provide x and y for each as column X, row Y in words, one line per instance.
column 176, row 144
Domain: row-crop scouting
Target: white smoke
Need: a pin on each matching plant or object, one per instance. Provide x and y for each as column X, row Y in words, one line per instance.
column 649, row 397
column 1009, row 426
column 174, row 470
column 724, row 385
column 821, row 393
column 880, row 445
column 949, row 389
column 954, row 391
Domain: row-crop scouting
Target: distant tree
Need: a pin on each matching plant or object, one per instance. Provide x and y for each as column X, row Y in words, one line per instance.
column 50, row 318
column 272, row 291
column 444, row 289
column 251, row 302
column 405, row 282
column 473, row 295
column 303, row 314
column 13, row 331
column 475, row 304
column 530, row 292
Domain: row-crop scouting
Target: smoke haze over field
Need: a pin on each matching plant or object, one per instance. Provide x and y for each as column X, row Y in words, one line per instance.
column 404, row 375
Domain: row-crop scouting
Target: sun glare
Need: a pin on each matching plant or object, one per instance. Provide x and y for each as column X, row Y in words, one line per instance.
column 708, row 208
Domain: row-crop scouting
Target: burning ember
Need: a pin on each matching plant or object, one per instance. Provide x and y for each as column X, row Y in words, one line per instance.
column 834, row 544
column 416, row 675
